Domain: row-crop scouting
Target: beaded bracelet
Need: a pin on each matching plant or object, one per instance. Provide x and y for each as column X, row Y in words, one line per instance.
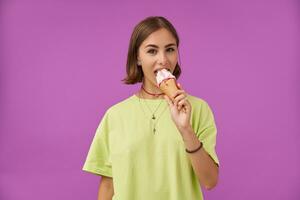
column 195, row 150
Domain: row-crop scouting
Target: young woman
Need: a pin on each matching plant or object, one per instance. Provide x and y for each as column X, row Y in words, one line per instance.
column 149, row 147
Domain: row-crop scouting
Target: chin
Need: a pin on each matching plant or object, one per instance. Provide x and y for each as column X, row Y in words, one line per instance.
column 154, row 83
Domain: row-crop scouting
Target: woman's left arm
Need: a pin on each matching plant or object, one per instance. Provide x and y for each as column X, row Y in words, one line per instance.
column 205, row 168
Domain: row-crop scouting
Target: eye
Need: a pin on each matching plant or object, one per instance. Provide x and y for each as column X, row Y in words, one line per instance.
column 151, row 51
column 170, row 49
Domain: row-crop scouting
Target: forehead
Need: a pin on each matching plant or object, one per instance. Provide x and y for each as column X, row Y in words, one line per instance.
column 160, row 37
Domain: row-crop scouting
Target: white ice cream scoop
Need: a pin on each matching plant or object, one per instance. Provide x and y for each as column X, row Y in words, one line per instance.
column 167, row 83
column 163, row 75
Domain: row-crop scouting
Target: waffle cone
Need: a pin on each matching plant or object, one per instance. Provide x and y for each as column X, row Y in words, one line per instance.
column 169, row 87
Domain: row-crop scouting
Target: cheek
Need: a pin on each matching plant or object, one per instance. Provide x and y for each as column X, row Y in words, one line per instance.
column 173, row 60
column 173, row 57
column 148, row 64
column 147, row 67
column 149, row 60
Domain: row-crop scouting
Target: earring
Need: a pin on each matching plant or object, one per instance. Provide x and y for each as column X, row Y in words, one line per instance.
column 139, row 63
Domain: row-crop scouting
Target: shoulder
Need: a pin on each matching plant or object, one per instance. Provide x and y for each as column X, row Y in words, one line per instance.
column 199, row 105
column 122, row 106
column 201, row 112
column 197, row 101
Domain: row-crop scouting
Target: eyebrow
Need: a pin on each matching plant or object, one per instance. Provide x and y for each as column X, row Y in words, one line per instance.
column 155, row 46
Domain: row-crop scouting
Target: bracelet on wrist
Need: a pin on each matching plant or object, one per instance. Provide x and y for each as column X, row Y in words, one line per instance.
column 195, row 150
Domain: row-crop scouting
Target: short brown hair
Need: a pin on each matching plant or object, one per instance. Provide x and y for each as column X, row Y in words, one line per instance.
column 140, row 33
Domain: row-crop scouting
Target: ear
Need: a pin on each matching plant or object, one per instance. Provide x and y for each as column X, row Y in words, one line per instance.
column 139, row 61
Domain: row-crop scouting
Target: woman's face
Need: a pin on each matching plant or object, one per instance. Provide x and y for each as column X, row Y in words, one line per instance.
column 158, row 51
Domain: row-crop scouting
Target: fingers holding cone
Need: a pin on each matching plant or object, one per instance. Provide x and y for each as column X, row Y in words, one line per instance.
column 179, row 99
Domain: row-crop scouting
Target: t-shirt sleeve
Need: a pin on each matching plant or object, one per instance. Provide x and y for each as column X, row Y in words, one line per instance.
column 98, row 158
column 206, row 130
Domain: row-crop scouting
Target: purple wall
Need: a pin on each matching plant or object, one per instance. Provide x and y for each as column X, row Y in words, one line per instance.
column 61, row 63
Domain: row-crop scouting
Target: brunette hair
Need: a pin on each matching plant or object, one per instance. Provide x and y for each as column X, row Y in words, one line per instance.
column 141, row 31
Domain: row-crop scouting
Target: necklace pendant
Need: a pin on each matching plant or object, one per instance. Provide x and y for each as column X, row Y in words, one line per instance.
column 153, row 117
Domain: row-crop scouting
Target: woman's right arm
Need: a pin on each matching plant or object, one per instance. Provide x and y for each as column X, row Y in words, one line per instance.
column 106, row 189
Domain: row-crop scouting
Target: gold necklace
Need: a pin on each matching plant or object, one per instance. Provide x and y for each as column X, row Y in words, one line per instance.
column 154, row 119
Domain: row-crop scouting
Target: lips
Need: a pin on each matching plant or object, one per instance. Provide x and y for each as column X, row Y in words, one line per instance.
column 155, row 71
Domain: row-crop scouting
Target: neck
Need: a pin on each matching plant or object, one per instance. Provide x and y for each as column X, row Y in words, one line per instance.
column 149, row 91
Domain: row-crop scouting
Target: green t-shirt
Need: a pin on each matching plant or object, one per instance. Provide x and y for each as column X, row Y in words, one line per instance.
column 145, row 165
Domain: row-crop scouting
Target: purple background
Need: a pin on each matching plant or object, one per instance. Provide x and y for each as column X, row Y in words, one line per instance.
column 61, row 66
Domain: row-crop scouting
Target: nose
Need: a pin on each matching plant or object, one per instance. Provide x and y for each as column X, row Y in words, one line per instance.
column 162, row 59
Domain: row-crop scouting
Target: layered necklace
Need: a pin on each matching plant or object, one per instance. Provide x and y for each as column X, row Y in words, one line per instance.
column 154, row 117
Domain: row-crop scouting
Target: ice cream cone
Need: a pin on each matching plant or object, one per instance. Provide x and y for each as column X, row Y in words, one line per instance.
column 169, row 87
